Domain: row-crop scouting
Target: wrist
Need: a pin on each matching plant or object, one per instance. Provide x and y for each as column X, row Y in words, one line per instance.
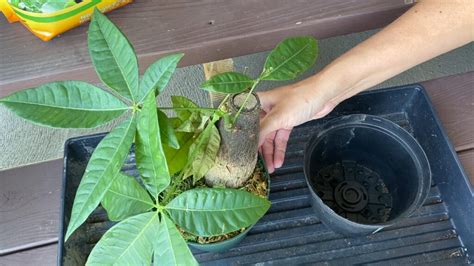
column 337, row 82
column 326, row 88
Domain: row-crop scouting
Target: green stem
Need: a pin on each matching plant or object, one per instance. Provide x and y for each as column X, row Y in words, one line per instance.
column 245, row 101
column 223, row 101
column 188, row 108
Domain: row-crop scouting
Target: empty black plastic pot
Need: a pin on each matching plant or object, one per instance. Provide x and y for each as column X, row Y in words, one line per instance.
column 365, row 173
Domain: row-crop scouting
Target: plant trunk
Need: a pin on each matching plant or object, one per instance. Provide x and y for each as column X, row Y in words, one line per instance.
column 238, row 151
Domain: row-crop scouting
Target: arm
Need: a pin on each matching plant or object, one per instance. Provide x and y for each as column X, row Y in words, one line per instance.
column 428, row 29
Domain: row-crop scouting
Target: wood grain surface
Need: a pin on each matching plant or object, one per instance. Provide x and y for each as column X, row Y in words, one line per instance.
column 467, row 160
column 206, row 30
column 453, row 99
column 40, row 256
column 29, row 206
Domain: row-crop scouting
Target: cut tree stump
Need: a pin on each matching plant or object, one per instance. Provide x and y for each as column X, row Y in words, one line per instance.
column 238, row 150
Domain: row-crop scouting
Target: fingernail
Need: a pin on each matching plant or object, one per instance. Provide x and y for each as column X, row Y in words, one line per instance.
column 271, row 170
column 278, row 164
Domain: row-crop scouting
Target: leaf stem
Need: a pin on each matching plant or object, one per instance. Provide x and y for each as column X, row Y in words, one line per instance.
column 188, row 108
column 245, row 101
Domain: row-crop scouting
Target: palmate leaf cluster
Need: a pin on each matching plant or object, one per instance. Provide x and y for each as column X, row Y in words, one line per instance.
column 167, row 150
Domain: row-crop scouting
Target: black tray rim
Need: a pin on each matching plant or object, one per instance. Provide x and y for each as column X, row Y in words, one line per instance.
column 410, row 87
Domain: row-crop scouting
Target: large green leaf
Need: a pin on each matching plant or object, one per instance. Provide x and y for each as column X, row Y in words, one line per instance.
column 129, row 242
column 113, row 56
column 158, row 75
column 212, row 211
column 229, row 82
column 65, row 104
column 149, row 154
column 101, row 172
column 203, row 152
column 168, row 136
column 125, row 198
column 170, row 247
column 177, row 158
column 290, row 58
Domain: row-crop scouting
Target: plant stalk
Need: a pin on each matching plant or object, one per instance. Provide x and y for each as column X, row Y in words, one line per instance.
column 245, row 101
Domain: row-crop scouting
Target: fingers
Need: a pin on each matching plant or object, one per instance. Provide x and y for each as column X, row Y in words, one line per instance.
column 280, row 144
column 270, row 123
column 267, row 151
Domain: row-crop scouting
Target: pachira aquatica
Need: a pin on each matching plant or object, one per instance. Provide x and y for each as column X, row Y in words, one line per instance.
column 150, row 209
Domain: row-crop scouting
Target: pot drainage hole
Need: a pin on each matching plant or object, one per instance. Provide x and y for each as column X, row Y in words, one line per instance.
column 354, row 192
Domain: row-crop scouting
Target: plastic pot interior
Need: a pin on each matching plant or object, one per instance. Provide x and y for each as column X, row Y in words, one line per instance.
column 234, row 241
column 365, row 173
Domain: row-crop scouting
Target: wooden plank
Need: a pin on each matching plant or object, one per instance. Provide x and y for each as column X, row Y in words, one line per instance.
column 206, row 30
column 453, row 99
column 29, row 205
column 214, row 68
column 42, row 256
column 467, row 161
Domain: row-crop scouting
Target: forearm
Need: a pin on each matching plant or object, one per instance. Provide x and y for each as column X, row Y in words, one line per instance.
column 427, row 30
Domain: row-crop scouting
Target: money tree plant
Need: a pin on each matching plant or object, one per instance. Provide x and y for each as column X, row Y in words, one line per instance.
column 152, row 210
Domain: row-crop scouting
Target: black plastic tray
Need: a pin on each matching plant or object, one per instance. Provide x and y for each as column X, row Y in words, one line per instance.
column 441, row 232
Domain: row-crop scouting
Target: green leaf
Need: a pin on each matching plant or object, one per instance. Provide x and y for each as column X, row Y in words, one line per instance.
column 158, row 75
column 149, row 154
column 223, row 210
column 65, row 104
column 183, row 102
column 195, row 124
column 290, row 58
column 113, row 56
column 129, row 242
column 168, row 136
column 203, row 152
column 125, row 198
column 229, row 82
column 190, row 120
column 55, row 5
column 170, row 247
column 42, row 6
column 28, row 5
column 101, row 172
column 177, row 158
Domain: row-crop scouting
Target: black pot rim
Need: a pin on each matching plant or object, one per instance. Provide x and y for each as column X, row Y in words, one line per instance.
column 390, row 129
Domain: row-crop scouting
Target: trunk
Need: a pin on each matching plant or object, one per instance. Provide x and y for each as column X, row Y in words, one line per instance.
column 237, row 155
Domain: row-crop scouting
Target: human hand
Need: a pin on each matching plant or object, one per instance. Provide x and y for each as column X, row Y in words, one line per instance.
column 282, row 109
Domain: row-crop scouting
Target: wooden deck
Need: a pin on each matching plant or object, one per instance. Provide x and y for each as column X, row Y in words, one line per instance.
column 206, row 31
